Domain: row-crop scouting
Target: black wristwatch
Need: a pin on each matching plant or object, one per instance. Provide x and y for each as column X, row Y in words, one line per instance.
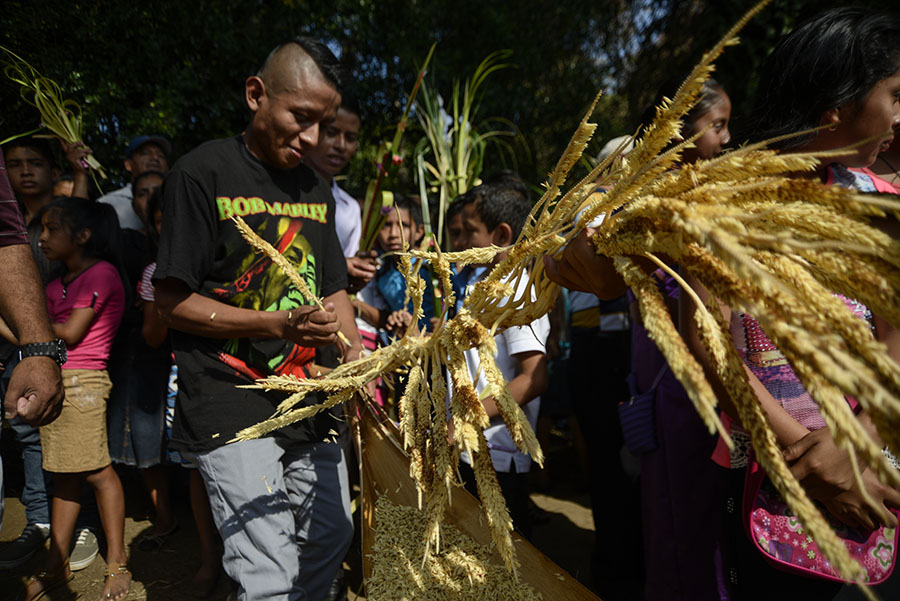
column 55, row 349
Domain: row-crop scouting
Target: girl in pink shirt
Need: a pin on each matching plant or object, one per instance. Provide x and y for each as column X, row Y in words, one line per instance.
column 86, row 306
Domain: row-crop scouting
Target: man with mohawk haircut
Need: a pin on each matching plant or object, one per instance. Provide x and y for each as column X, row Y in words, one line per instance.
column 281, row 503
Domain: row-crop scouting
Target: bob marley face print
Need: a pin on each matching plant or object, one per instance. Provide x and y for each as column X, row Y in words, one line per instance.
column 261, row 286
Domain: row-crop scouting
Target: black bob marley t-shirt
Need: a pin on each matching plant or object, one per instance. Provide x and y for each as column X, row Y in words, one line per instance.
column 201, row 246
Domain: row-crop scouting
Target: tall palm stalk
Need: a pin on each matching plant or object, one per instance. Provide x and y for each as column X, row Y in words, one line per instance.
column 453, row 147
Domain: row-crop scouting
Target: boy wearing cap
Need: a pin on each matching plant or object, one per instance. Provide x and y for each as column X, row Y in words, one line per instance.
column 144, row 153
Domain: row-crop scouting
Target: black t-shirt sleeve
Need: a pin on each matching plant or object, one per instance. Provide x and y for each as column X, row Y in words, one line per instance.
column 188, row 237
column 334, row 267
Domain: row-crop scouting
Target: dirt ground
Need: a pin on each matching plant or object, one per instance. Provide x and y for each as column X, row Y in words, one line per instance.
column 565, row 537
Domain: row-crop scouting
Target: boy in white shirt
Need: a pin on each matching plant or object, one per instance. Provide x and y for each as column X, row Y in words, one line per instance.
column 495, row 214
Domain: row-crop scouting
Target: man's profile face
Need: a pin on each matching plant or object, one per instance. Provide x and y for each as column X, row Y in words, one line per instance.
column 338, row 141
column 285, row 126
column 29, row 172
column 148, row 157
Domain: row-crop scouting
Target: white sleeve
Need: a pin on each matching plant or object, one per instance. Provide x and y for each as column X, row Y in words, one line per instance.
column 524, row 339
column 533, row 337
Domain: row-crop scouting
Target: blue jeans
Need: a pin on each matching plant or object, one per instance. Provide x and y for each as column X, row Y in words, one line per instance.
column 37, row 481
column 34, row 495
column 283, row 511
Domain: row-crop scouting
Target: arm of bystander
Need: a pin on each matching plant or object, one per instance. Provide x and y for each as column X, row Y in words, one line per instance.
column 35, row 390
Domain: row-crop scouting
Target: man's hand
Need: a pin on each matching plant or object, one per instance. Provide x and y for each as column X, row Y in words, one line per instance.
column 310, row 327
column 35, row 391
column 351, row 353
column 35, row 388
column 582, row 269
column 361, row 269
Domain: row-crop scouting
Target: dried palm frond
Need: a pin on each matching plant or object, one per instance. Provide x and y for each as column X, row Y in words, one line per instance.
column 759, row 241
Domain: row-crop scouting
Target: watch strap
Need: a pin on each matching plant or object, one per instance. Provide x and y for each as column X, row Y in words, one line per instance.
column 55, row 349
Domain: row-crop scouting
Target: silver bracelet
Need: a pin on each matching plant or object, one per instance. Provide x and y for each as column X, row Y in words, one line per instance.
column 891, row 458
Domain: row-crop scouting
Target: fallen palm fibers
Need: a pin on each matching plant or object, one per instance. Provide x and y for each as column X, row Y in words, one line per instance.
column 760, row 241
column 466, row 564
column 462, row 570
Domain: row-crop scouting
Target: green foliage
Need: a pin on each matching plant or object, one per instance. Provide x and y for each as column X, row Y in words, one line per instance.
column 455, row 142
column 379, row 197
column 178, row 68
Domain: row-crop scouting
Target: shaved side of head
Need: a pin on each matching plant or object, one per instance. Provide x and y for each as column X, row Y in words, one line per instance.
column 286, row 67
column 297, row 89
column 299, row 60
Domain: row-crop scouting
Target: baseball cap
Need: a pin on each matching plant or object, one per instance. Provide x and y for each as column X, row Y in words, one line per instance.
column 141, row 140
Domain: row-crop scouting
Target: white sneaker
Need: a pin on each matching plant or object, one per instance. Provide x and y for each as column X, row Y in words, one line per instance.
column 84, row 551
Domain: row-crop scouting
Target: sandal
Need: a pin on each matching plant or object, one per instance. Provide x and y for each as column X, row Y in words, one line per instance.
column 154, row 542
column 115, row 571
column 49, row 582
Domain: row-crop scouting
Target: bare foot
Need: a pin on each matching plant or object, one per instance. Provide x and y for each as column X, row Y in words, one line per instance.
column 118, row 581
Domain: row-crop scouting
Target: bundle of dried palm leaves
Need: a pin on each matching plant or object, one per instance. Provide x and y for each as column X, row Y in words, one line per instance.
column 773, row 246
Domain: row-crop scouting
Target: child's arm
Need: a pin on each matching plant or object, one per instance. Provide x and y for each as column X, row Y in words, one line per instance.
column 76, row 154
column 154, row 329
column 369, row 314
column 73, row 329
column 399, row 321
column 528, row 384
column 787, row 429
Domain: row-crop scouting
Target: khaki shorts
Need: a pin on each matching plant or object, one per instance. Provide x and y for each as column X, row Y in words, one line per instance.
column 76, row 440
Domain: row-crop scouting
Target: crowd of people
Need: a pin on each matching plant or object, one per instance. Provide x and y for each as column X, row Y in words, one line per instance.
column 157, row 311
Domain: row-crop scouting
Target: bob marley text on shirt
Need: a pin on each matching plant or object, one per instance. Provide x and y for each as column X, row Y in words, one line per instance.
column 260, row 285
